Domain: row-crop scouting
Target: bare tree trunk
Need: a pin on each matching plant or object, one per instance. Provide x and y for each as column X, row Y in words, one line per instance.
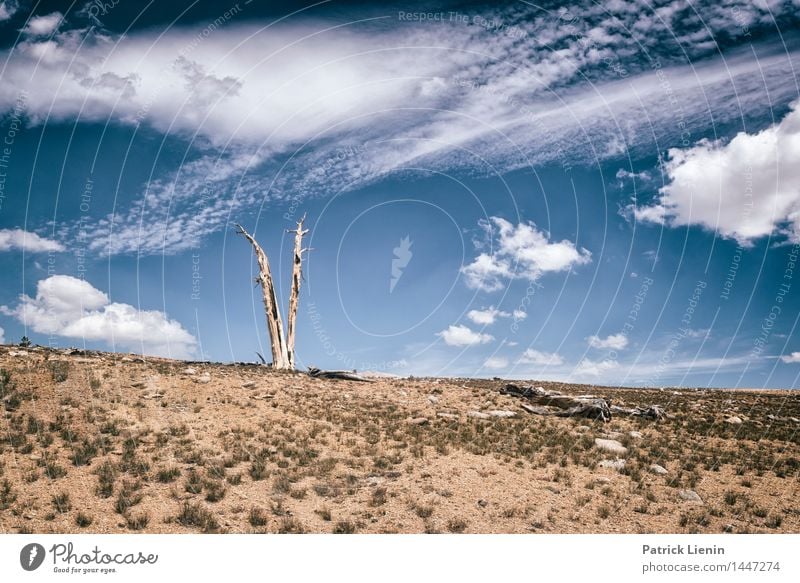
column 297, row 275
column 280, row 356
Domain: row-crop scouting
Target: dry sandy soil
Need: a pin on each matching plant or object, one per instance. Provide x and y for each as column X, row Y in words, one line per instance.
column 105, row 443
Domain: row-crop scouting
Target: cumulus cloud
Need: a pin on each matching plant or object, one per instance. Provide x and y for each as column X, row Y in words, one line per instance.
column 792, row 358
column 43, row 25
column 2, row 336
column 522, row 251
column 460, row 335
column 531, row 356
column 71, row 307
column 614, row 341
column 592, row 368
column 26, row 241
column 486, row 316
column 495, row 363
column 8, row 9
column 743, row 189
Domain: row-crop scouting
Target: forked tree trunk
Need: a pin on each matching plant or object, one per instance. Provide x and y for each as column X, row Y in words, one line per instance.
column 297, row 275
column 280, row 354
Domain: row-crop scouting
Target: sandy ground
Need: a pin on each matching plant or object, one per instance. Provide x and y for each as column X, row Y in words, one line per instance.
column 105, row 443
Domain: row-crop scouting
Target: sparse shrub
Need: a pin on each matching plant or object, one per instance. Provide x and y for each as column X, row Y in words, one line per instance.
column 106, row 476
column 344, row 527
column 83, row 520
column 456, row 525
column 324, row 513
column 7, row 495
column 61, row 503
column 378, row 497
column 59, row 370
column 197, row 516
column 167, row 475
column 215, row 490
column 731, row 497
column 603, row 511
column 137, row 522
column 290, row 525
column 257, row 517
column 128, row 496
column 774, row 521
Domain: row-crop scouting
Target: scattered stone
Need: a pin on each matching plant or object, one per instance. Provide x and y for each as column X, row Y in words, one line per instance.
column 419, row 421
column 190, row 371
column 502, row 413
column 139, row 385
column 447, row 415
column 478, row 415
column 660, row 470
column 582, row 428
column 433, row 399
column 635, row 434
column 690, row 496
column 155, row 395
column 249, row 385
column 482, row 503
column 727, row 528
column 204, row 379
column 35, row 457
column 733, row 420
column 611, row 446
column 613, row 435
column 616, row 464
column 602, row 480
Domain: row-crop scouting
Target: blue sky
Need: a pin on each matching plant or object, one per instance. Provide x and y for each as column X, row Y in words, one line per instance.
column 595, row 192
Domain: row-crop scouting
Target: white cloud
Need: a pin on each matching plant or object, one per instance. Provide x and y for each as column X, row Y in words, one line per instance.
column 296, row 93
column 792, row 358
column 520, row 315
column 26, row 241
column 43, row 25
column 744, row 189
column 486, row 316
column 592, row 368
column 73, row 308
column 2, row 336
column 8, row 9
column 522, row 251
column 459, row 335
column 614, row 341
column 495, row 363
column 531, row 356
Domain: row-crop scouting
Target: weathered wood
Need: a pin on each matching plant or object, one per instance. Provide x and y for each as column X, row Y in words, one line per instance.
column 280, row 356
column 297, row 274
column 344, row 375
column 649, row 412
column 555, row 403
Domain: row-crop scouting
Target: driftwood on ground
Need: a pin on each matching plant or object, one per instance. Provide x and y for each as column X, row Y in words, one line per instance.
column 650, row 412
column 559, row 405
column 344, row 375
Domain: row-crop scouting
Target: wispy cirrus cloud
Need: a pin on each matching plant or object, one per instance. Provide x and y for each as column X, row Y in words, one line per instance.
column 580, row 82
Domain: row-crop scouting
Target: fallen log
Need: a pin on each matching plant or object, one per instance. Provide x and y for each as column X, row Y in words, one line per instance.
column 558, row 404
column 651, row 412
column 343, row 375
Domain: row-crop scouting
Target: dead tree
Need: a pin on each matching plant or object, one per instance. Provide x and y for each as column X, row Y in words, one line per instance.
column 280, row 353
column 297, row 275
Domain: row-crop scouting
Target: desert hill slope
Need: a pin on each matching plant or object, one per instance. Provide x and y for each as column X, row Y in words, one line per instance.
column 100, row 442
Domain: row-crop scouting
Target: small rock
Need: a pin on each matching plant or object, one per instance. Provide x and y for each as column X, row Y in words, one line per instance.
column 635, row 434
column 447, row 415
column 502, row 413
column 189, row 371
column 690, row 496
column 433, row 399
column 35, row 457
column 582, row 428
column 478, row 415
column 734, row 420
column 139, row 385
column 418, row 421
column 611, row 446
column 613, row 435
column 727, row 528
column 602, row 480
column 616, row 464
column 249, row 385
column 482, row 503
column 660, row 470
column 204, row 379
